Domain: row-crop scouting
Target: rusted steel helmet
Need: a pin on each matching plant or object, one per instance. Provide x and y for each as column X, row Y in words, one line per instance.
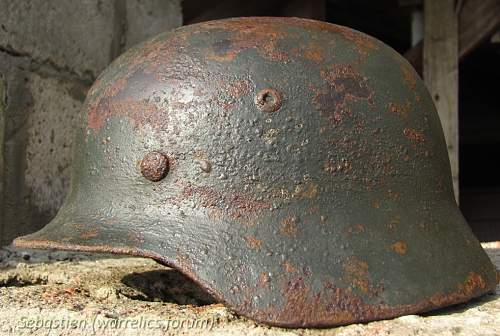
column 295, row 169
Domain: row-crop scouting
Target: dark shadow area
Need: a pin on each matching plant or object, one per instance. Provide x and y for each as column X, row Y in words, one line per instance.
column 167, row 285
column 480, row 141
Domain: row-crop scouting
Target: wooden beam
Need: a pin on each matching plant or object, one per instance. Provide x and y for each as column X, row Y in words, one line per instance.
column 478, row 19
column 440, row 61
column 3, row 94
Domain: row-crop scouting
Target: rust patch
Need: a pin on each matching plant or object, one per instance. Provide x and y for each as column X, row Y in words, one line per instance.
column 263, row 36
column 414, row 135
column 240, row 88
column 263, row 280
column 139, row 112
column 409, row 75
column 345, row 86
column 306, row 190
column 364, row 44
column 399, row 247
column 253, row 242
column 356, row 229
column 288, row 267
column 337, row 306
column 472, row 283
column 289, row 226
column 232, row 205
column 401, row 110
column 311, row 51
column 92, row 233
column 343, row 167
column 356, row 272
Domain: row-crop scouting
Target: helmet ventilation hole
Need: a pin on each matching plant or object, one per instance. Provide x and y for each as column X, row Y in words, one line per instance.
column 269, row 100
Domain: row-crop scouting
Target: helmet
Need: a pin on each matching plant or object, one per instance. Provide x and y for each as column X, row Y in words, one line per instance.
column 295, row 169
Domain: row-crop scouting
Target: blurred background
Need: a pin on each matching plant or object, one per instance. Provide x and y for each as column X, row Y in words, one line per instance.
column 51, row 52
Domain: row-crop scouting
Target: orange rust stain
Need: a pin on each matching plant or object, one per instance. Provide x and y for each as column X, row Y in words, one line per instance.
column 139, row 112
column 356, row 271
column 376, row 204
column 262, row 37
column 334, row 305
column 399, row 247
column 332, row 168
column 240, row 88
column 89, row 234
column 356, row 229
column 263, row 280
column 308, row 190
column 253, row 242
column 236, row 89
column 346, row 86
column 232, row 205
column 409, row 76
column 343, row 77
column 289, row 226
column 364, row 44
column 314, row 52
column 311, row 51
column 472, row 283
column 414, row 135
column 401, row 110
column 288, row 267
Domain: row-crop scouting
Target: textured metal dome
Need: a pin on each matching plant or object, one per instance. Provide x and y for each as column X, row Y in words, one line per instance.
column 295, row 169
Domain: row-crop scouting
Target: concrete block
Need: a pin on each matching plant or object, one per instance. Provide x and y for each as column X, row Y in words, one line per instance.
column 56, row 107
column 77, row 36
column 147, row 18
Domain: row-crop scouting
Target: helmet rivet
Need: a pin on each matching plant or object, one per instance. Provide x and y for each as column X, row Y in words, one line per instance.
column 154, row 166
column 268, row 100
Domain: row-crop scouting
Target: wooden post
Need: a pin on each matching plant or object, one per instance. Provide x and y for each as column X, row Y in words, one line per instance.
column 477, row 21
column 440, row 71
column 2, row 147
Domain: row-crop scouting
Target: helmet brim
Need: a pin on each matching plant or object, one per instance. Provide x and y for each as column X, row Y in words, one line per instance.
column 105, row 235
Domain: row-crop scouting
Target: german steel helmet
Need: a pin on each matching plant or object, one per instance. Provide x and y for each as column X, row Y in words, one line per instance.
column 295, row 169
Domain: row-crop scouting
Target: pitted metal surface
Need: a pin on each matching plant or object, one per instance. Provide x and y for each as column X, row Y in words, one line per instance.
column 307, row 181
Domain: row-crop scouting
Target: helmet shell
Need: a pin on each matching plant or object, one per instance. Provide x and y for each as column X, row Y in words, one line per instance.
column 295, row 169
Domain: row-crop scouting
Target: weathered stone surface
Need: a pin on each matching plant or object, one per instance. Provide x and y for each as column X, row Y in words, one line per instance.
column 39, row 114
column 17, row 106
column 2, row 154
column 130, row 296
column 50, row 52
column 146, row 18
column 56, row 110
column 78, row 36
